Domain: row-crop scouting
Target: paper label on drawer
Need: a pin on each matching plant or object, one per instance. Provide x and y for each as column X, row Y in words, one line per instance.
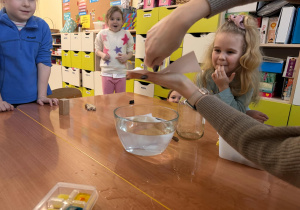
column 87, row 56
column 147, row 15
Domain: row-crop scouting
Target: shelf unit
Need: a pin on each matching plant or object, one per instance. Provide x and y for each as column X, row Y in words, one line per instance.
column 55, row 79
column 283, row 51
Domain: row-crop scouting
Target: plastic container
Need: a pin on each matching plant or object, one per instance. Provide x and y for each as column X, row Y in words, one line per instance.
column 228, row 153
column 69, row 196
column 99, row 25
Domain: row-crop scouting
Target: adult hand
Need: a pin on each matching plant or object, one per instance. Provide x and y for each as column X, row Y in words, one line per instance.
column 4, row 106
column 44, row 100
column 221, row 79
column 166, row 36
column 257, row 115
column 174, row 81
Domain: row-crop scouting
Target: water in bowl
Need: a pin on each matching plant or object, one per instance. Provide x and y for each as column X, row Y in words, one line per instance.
column 145, row 139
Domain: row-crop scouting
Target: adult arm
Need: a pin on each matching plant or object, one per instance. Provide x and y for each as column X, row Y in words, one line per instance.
column 166, row 36
column 274, row 149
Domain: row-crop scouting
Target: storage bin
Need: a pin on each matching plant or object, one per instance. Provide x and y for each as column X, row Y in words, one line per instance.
column 144, row 88
column 87, row 92
column 88, row 80
column 161, row 91
column 140, row 46
column 76, row 41
column 66, row 59
column 146, row 19
column 271, row 67
column 87, row 41
column 76, row 57
column 205, row 25
column 66, row 41
column 88, row 61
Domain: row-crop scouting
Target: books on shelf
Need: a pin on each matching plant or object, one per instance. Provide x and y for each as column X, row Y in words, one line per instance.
column 287, row 89
column 296, row 28
column 289, row 67
column 271, row 35
column 264, row 30
column 285, row 24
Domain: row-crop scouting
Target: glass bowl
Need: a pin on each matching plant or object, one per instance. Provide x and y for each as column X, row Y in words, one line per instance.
column 145, row 130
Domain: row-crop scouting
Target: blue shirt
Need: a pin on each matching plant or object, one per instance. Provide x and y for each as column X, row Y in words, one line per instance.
column 20, row 52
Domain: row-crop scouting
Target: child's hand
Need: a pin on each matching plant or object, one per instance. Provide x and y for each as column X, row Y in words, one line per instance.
column 122, row 58
column 44, row 100
column 4, row 106
column 257, row 115
column 221, row 79
column 106, row 57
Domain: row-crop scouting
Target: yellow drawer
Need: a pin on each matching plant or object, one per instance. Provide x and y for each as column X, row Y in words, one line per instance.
column 161, row 91
column 146, row 19
column 87, row 92
column 271, row 108
column 76, row 57
column 159, row 97
column 88, row 61
column 191, row 76
column 79, row 88
column 130, row 85
column 139, row 62
column 176, row 54
column 294, row 116
column 205, row 25
column 165, row 11
column 66, row 58
column 67, row 85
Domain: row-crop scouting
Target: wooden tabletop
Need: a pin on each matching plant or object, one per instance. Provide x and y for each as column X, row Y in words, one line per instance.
column 41, row 147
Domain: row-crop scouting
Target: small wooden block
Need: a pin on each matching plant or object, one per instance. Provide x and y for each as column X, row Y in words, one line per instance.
column 64, row 106
column 90, row 107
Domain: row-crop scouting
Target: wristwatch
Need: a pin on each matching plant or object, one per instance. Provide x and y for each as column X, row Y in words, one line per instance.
column 196, row 96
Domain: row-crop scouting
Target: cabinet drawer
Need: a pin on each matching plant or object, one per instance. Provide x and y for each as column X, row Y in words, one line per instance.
column 144, row 88
column 294, row 119
column 139, row 62
column 278, row 113
column 88, row 80
column 146, row 19
column 66, row 58
column 205, row 25
column 176, row 54
column 161, row 91
column 88, row 61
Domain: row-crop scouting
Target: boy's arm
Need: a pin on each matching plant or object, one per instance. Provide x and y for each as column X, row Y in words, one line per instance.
column 43, row 78
column 4, row 106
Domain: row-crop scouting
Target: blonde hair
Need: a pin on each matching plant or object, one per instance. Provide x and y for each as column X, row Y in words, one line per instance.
column 247, row 75
column 111, row 11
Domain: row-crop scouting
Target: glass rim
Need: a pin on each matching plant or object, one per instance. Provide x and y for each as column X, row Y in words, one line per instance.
column 123, row 118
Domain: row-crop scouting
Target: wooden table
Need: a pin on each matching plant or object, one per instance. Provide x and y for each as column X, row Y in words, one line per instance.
column 41, row 148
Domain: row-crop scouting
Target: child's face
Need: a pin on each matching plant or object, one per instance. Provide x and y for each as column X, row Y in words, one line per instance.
column 115, row 22
column 174, row 97
column 20, row 10
column 228, row 48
